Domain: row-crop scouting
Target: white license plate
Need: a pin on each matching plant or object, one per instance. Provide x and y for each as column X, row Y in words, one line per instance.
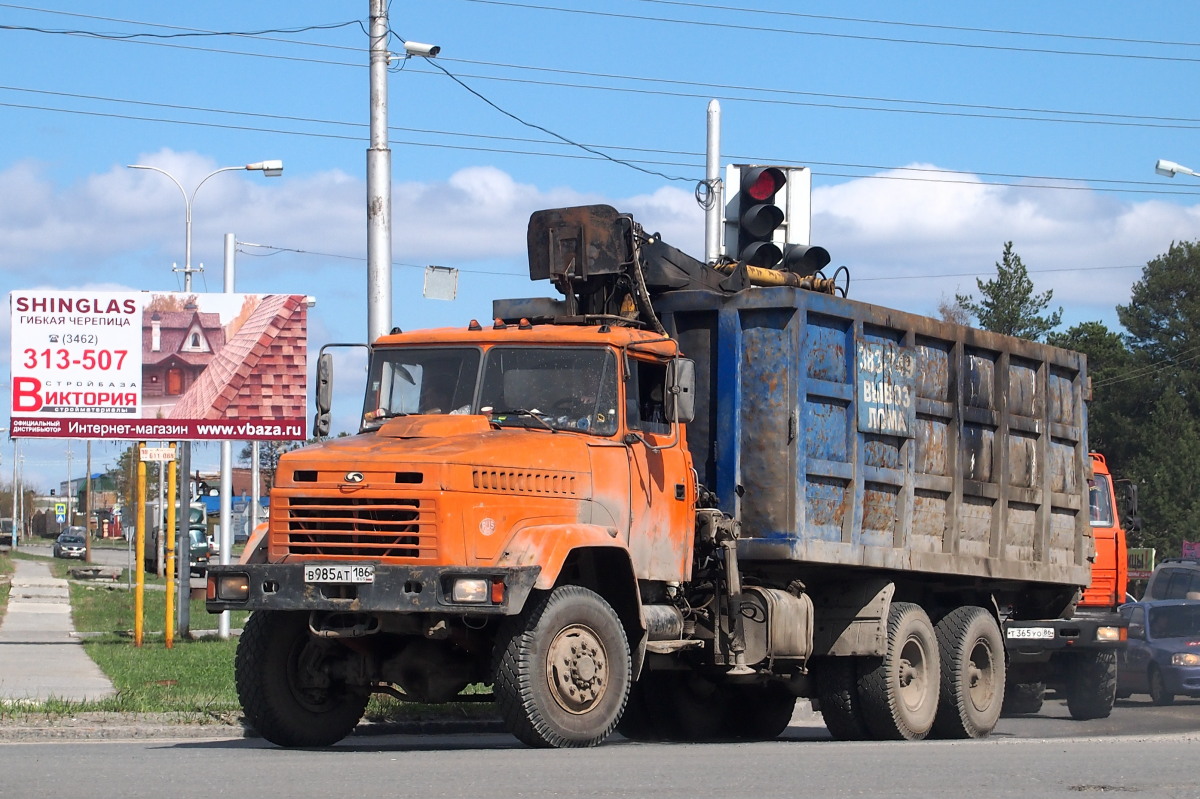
column 1031, row 632
column 339, row 574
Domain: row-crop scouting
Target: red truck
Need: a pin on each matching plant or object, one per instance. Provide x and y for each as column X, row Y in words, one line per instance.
column 672, row 502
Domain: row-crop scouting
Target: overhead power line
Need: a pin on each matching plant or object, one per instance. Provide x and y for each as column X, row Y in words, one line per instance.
column 922, row 174
column 759, row 94
column 726, row 26
column 1096, row 117
column 922, row 25
column 299, row 251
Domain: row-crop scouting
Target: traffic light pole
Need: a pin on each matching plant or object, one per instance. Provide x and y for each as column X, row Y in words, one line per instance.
column 716, row 194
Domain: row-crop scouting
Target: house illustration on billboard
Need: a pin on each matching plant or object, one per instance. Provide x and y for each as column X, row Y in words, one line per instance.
column 260, row 371
column 177, row 346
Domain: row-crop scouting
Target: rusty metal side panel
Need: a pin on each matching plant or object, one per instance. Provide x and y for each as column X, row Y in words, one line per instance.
column 843, row 433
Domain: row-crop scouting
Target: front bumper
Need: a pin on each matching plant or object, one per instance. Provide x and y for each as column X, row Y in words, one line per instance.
column 396, row 589
column 1038, row 641
column 1183, row 680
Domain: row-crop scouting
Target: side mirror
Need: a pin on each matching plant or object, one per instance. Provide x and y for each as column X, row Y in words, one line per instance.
column 324, row 394
column 681, row 390
column 1137, row 631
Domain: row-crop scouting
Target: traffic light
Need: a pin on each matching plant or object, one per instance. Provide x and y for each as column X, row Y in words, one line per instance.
column 758, row 217
column 767, row 219
column 804, row 259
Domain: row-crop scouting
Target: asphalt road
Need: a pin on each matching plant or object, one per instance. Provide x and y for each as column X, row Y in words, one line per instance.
column 120, row 558
column 471, row 766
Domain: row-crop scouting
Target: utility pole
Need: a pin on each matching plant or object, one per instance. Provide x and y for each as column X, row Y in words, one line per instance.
column 226, row 534
column 70, row 512
column 379, row 184
column 87, row 508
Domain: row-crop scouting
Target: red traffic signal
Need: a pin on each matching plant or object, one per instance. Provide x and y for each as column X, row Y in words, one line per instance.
column 758, row 216
column 761, row 183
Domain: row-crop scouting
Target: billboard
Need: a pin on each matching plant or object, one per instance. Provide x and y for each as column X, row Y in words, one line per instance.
column 1141, row 562
column 165, row 366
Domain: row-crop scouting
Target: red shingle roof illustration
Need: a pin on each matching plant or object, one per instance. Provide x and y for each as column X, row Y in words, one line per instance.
column 261, row 372
column 173, row 329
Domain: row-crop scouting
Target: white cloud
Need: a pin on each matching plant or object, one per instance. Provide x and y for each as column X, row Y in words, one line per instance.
column 898, row 236
column 124, row 228
column 906, row 242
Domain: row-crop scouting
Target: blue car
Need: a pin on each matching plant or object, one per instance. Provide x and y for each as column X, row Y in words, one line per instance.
column 1163, row 656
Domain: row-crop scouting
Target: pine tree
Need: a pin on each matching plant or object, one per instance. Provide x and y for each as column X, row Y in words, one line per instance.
column 1008, row 305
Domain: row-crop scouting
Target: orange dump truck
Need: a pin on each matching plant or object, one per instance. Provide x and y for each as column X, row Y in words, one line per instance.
column 671, row 503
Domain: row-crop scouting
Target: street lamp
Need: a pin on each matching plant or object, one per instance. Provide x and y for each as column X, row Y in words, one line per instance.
column 271, row 169
column 1169, row 169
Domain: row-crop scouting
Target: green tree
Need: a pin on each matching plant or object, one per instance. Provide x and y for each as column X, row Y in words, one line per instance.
column 269, row 453
column 1117, row 408
column 1163, row 319
column 1168, row 475
column 1008, row 305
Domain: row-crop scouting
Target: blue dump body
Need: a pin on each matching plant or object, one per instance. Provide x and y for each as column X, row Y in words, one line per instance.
column 845, row 434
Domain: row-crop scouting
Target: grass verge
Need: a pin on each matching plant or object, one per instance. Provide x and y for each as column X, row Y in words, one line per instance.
column 192, row 682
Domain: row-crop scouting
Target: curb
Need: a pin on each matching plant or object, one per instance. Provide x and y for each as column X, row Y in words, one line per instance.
column 113, row 727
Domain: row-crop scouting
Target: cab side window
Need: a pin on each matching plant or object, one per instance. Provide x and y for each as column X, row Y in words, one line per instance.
column 645, row 409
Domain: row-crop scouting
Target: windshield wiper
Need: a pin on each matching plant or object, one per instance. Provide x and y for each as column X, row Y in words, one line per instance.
column 534, row 414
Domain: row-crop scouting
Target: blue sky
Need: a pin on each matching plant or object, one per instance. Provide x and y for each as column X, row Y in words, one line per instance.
column 935, row 131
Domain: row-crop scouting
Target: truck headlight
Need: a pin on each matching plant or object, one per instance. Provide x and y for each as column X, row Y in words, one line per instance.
column 1185, row 659
column 233, row 587
column 470, row 590
column 1109, row 633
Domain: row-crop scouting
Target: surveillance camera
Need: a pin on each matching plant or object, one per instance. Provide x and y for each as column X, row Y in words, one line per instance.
column 417, row 48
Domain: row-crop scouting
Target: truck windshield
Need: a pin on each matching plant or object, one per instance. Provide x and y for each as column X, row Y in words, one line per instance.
column 538, row 387
column 1100, row 501
column 560, row 389
column 434, row 381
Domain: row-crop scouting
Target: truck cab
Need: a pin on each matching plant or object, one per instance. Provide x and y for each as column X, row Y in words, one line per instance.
column 1110, row 569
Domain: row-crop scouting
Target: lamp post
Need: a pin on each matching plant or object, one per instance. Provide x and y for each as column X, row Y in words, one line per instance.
column 14, row 490
column 271, row 169
column 1170, row 169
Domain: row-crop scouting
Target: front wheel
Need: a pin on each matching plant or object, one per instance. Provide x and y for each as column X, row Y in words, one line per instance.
column 1023, row 698
column 284, row 686
column 562, row 669
column 1159, row 694
column 1093, row 686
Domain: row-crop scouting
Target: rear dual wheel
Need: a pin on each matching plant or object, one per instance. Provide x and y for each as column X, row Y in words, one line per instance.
column 972, row 673
column 899, row 696
column 686, row 706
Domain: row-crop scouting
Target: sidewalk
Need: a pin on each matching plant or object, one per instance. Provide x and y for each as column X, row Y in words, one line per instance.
column 40, row 655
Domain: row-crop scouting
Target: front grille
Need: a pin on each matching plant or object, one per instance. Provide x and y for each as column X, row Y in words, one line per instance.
column 361, row 527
